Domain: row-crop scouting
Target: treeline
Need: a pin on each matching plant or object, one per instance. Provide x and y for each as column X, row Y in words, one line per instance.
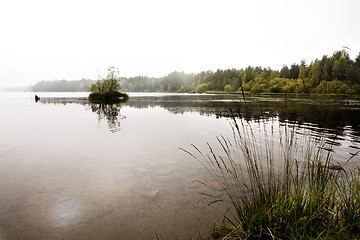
column 336, row 74
column 174, row 82
column 82, row 85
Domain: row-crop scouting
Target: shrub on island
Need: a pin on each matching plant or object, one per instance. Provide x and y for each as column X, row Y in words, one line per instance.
column 107, row 90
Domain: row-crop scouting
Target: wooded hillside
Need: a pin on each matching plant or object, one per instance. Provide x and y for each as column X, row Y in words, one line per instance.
column 336, row 74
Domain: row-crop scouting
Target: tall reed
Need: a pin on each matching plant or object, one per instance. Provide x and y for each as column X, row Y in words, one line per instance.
column 283, row 184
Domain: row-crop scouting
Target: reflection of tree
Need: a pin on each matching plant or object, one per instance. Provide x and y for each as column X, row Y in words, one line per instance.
column 109, row 112
column 334, row 116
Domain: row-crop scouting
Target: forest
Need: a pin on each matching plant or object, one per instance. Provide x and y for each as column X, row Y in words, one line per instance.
column 82, row 85
column 336, row 74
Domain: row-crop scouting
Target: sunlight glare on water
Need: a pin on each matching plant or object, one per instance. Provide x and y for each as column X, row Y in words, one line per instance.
column 66, row 213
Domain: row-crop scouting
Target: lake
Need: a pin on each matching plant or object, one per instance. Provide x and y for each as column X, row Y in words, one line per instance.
column 70, row 169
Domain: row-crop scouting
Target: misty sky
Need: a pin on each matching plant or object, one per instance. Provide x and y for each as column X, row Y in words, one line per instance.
column 74, row 39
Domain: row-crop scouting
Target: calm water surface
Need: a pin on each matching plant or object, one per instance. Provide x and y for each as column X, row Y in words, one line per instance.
column 74, row 170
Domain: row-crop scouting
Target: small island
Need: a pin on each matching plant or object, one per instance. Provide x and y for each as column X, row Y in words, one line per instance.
column 108, row 90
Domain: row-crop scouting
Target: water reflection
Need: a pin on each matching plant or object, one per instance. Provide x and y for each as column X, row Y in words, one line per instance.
column 109, row 112
column 337, row 118
column 79, row 181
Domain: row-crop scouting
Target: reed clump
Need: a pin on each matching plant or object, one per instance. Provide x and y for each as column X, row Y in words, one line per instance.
column 282, row 183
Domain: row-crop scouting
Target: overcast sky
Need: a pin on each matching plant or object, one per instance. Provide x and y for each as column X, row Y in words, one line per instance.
column 74, row 39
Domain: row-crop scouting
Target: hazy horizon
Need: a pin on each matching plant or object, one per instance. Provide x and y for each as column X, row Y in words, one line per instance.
column 71, row 40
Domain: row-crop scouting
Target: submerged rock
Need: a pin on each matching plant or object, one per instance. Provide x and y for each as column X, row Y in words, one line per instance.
column 151, row 195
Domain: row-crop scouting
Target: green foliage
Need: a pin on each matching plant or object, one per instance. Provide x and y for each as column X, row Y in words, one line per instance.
column 110, row 84
column 277, row 85
column 302, row 73
column 299, row 78
column 284, row 72
column 281, row 188
column 107, row 90
column 249, row 74
column 259, row 88
column 333, row 87
column 202, row 88
column 228, row 88
column 246, row 86
column 315, row 73
column 294, row 71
